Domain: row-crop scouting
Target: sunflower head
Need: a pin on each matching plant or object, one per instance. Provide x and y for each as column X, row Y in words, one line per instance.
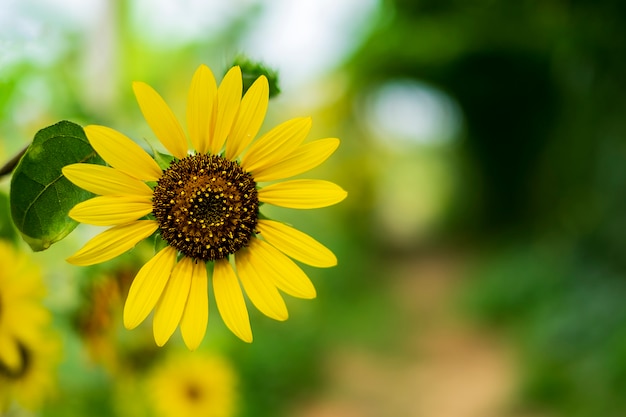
column 188, row 386
column 206, row 206
column 28, row 353
column 22, row 315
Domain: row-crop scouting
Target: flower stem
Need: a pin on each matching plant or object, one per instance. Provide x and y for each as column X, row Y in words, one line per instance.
column 12, row 163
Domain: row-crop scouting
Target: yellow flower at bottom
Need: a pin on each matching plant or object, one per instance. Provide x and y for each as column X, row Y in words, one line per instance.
column 205, row 206
column 36, row 381
column 190, row 386
column 28, row 353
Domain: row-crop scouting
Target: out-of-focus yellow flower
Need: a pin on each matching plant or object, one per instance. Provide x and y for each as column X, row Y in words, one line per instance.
column 205, row 206
column 27, row 352
column 194, row 385
column 36, row 381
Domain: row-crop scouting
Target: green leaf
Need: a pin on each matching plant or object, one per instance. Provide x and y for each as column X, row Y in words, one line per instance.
column 40, row 195
column 7, row 231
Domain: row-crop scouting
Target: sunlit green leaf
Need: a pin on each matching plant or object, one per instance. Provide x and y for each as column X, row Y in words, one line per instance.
column 40, row 195
column 7, row 231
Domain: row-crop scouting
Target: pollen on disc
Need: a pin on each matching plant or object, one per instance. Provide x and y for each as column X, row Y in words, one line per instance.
column 207, row 206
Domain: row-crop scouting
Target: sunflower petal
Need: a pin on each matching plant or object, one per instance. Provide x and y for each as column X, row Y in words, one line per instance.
column 103, row 180
column 229, row 300
column 302, row 194
column 148, row 286
column 250, row 118
column 260, row 289
column 196, row 315
column 276, row 144
column 113, row 242
column 296, row 244
column 111, row 210
column 10, row 355
column 200, row 104
column 122, row 153
column 161, row 119
column 287, row 276
column 228, row 101
column 304, row 158
column 170, row 307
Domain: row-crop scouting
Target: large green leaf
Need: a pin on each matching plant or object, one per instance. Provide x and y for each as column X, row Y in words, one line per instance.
column 7, row 231
column 40, row 195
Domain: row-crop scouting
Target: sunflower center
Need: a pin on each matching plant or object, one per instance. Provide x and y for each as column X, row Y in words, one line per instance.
column 206, row 206
column 193, row 393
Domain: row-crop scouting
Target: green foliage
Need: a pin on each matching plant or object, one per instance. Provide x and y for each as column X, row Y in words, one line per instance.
column 40, row 195
column 540, row 86
column 566, row 312
column 7, row 231
column 251, row 70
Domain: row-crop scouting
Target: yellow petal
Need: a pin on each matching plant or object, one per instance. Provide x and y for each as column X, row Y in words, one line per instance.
column 170, row 307
column 10, row 354
column 113, row 242
column 296, row 244
column 148, row 286
column 228, row 101
column 161, row 119
column 249, row 119
column 271, row 263
column 276, row 144
column 304, row 158
column 260, row 289
column 196, row 315
column 229, row 300
column 302, row 194
column 103, row 180
column 111, row 210
column 200, row 104
column 122, row 153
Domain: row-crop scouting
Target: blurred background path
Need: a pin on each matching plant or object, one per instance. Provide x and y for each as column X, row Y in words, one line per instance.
column 446, row 366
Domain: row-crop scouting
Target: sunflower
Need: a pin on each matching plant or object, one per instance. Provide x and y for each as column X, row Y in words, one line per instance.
column 26, row 349
column 205, row 206
column 187, row 386
column 35, row 381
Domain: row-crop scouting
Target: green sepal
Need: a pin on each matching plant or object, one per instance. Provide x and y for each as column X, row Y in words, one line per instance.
column 159, row 243
column 40, row 195
column 162, row 159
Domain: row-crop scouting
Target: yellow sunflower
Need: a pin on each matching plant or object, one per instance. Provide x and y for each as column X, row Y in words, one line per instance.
column 205, row 206
column 22, row 316
column 35, row 382
column 27, row 351
column 188, row 386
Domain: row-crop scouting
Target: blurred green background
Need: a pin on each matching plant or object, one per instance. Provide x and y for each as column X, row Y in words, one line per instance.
column 482, row 267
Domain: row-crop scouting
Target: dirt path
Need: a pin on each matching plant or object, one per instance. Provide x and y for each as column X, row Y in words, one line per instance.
column 448, row 367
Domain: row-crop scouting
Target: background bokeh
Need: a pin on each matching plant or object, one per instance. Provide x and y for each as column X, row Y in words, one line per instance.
column 481, row 247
